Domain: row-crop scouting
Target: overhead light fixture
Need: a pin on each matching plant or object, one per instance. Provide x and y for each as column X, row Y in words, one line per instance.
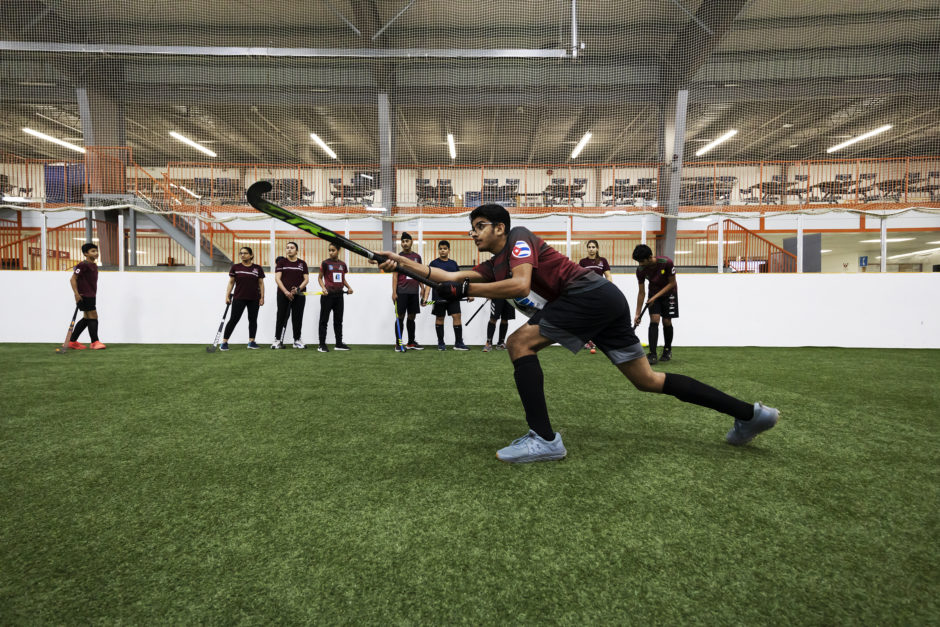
column 938, row 242
column 880, row 129
column 192, row 144
column 366, row 176
column 889, row 240
column 728, row 135
column 451, row 146
column 54, row 140
column 916, row 252
column 581, row 144
column 322, row 144
column 794, row 145
column 825, row 250
column 787, row 126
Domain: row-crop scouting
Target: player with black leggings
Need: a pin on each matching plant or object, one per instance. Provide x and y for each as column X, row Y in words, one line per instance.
column 247, row 280
column 291, row 275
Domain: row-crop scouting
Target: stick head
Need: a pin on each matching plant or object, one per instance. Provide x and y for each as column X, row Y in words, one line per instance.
column 210, row 349
column 60, row 350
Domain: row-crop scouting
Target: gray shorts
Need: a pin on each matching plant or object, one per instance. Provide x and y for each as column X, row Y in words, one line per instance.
column 600, row 315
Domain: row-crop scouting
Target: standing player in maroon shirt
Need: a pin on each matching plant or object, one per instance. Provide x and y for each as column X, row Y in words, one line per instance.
column 664, row 300
column 332, row 279
column 247, row 278
column 291, row 275
column 84, row 283
column 599, row 265
column 405, row 294
column 569, row 305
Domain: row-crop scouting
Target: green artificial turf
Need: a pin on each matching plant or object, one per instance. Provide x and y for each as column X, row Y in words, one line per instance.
column 161, row 484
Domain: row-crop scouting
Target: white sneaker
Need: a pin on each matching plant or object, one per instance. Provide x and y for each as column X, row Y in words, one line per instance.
column 532, row 448
column 278, row 344
column 299, row 344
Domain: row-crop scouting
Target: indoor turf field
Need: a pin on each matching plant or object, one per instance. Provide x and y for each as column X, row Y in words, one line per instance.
column 162, row 484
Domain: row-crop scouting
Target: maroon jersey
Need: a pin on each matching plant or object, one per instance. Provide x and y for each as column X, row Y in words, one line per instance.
column 86, row 279
column 292, row 272
column 407, row 285
column 657, row 273
column 553, row 274
column 598, row 265
column 246, row 281
column 334, row 275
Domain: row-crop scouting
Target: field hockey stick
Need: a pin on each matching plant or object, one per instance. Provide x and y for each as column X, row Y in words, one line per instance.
column 218, row 335
column 479, row 309
column 640, row 317
column 275, row 211
column 68, row 335
column 401, row 345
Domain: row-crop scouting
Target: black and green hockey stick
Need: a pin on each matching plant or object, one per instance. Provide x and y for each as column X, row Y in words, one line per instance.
column 254, row 194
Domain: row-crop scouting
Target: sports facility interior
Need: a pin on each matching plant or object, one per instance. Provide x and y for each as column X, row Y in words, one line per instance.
column 785, row 155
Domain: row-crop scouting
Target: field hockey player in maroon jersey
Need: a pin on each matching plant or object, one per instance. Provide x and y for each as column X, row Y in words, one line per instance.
column 84, row 284
column 567, row 304
column 291, row 275
column 245, row 290
column 332, row 279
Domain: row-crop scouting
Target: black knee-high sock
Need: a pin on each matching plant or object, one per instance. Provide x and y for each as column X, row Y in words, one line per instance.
column 490, row 329
column 458, row 334
column 654, row 337
column 439, row 328
column 689, row 390
column 667, row 337
column 93, row 329
column 78, row 329
column 503, row 327
column 530, row 382
column 411, row 331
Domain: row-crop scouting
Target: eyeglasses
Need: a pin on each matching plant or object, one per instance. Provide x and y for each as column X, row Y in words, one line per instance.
column 478, row 227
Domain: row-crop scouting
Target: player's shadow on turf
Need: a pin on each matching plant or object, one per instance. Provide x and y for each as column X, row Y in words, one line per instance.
column 710, row 444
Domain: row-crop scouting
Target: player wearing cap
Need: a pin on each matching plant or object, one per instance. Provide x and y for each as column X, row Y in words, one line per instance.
column 567, row 304
column 405, row 294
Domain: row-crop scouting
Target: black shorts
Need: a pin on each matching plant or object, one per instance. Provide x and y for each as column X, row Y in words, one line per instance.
column 666, row 306
column 408, row 303
column 87, row 303
column 449, row 307
column 601, row 315
column 500, row 308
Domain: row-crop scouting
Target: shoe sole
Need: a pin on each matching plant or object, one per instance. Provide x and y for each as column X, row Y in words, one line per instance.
column 549, row 458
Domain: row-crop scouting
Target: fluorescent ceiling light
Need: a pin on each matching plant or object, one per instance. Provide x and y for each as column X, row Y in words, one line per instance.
column 50, row 138
column 916, row 252
column 826, row 250
column 322, row 144
column 787, row 126
column 451, row 147
column 192, row 144
column 581, row 144
column 728, row 135
column 890, row 239
column 365, row 176
column 880, row 129
column 934, row 242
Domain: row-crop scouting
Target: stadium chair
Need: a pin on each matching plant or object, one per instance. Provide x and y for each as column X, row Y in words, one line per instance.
column 425, row 193
column 724, row 188
column 931, row 187
column 798, row 187
column 868, row 187
column 445, row 193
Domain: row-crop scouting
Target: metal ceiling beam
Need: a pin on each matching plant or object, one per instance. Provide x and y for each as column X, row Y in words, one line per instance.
column 237, row 51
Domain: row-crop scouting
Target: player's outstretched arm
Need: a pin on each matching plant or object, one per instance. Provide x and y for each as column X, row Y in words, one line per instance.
column 394, row 261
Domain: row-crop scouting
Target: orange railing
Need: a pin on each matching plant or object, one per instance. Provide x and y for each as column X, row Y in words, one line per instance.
column 745, row 251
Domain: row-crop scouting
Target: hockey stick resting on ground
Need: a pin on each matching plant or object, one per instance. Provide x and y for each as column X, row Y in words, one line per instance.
column 68, row 334
column 218, row 335
column 265, row 206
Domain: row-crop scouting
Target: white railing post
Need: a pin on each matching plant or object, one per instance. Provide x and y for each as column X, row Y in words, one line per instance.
column 43, row 242
column 884, row 244
column 720, row 245
column 198, row 238
column 799, row 243
column 273, row 238
column 120, row 239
